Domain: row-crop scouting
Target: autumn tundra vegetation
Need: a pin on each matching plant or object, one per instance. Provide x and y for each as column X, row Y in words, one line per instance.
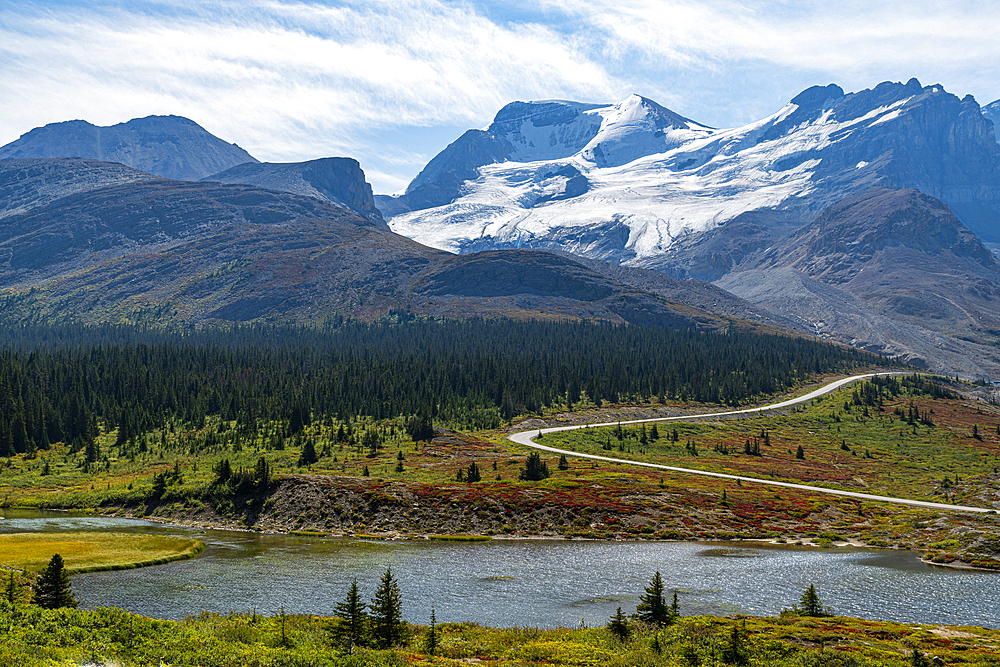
column 397, row 429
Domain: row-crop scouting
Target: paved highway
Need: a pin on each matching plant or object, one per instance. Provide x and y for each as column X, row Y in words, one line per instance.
column 527, row 438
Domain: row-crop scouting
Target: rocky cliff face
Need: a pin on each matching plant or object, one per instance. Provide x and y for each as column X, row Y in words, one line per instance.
column 167, row 146
column 992, row 113
column 336, row 180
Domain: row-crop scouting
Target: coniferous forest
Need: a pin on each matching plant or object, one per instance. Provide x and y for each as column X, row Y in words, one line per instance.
column 57, row 383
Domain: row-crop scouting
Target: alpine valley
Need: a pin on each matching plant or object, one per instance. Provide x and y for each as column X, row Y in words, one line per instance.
column 756, row 209
column 866, row 218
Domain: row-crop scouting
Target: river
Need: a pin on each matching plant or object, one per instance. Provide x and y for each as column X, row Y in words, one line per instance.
column 540, row 583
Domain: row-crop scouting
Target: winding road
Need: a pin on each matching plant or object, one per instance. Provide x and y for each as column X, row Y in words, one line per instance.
column 526, row 438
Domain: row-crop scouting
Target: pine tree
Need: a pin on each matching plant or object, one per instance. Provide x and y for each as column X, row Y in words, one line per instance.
column 352, row 619
column 262, row 475
column 619, row 626
column 800, row 453
column 431, row 638
column 12, row 591
column 652, row 608
column 387, row 609
column 308, row 456
column 472, row 474
column 736, row 652
column 563, row 463
column 52, row 589
column 534, row 468
column 811, row 606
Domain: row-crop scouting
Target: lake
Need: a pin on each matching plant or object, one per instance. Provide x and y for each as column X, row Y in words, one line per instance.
column 541, row 583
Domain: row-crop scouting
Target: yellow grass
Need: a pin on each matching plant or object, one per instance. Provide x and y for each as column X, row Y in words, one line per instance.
column 89, row 552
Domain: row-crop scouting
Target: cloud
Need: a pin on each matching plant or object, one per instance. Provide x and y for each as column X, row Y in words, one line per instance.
column 391, row 82
column 285, row 80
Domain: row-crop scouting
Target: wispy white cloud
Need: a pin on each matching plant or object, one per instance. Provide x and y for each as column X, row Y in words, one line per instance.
column 285, row 80
column 390, row 82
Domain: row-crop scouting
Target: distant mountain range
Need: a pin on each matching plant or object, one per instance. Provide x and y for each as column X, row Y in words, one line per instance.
column 863, row 217
column 624, row 182
column 92, row 241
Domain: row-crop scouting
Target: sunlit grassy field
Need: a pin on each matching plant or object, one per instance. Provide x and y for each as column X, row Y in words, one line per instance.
column 91, row 551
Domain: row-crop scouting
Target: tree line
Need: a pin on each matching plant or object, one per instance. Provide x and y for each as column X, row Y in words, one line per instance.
column 469, row 374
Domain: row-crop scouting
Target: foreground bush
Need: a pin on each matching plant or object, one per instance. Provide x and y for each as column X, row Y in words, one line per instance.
column 31, row 636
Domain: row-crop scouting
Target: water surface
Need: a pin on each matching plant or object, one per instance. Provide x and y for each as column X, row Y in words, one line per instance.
column 541, row 583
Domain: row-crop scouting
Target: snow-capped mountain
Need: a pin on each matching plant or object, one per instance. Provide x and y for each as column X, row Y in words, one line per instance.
column 624, row 182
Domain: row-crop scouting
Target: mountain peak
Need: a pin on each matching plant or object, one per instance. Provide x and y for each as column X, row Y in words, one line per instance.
column 169, row 146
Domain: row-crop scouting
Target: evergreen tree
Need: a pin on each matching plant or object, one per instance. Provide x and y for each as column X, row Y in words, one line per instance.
column 12, row 590
column 652, row 608
column 431, row 638
column 810, row 604
column 352, row 619
column 308, row 456
column 800, row 453
column 420, row 428
column 472, row 474
column 563, row 463
column 654, row 433
column 262, row 475
column 619, row 626
column 736, row 652
column 52, row 589
column 387, row 608
column 534, row 469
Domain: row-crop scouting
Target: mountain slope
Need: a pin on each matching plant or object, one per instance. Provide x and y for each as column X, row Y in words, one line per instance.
column 992, row 113
column 336, row 180
column 26, row 184
column 629, row 188
column 892, row 270
column 168, row 146
column 154, row 250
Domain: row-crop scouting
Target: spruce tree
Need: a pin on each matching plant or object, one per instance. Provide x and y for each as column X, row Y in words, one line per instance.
column 308, row 456
column 811, row 606
column 800, row 453
column 387, row 610
column 352, row 618
column 534, row 468
column 52, row 589
column 431, row 639
column 619, row 626
column 652, row 608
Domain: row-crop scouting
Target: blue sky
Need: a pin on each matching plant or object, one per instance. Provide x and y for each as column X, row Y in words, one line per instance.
column 392, row 82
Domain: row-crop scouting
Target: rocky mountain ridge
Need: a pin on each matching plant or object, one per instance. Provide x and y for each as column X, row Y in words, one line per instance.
column 168, row 146
column 336, row 180
column 119, row 245
column 893, row 271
